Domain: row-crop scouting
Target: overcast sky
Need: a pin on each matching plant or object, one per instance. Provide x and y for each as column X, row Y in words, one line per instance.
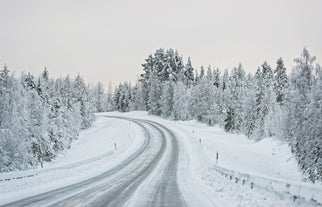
column 108, row 40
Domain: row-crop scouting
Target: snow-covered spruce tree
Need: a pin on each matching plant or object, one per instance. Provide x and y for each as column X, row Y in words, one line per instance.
column 81, row 94
column 109, row 98
column 144, row 79
column 176, row 68
column 196, row 79
column 154, row 94
column 224, row 98
column 236, row 89
column 212, row 93
column 43, row 86
column 202, row 73
column 232, row 99
column 202, row 99
column 249, row 106
column 56, row 120
column 166, row 102
column 216, row 78
column 264, row 93
column 280, row 81
column 122, row 97
column 126, row 96
column 216, row 82
column 182, row 97
column 117, row 97
column 99, row 97
column 188, row 73
column 275, row 119
column 312, row 127
column 299, row 115
column 136, row 101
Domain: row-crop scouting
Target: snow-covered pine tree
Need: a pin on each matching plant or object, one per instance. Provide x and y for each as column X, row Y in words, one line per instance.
column 280, row 81
column 136, row 101
column 234, row 100
column 216, row 81
column 202, row 99
column 274, row 121
column 299, row 97
column 122, row 97
column 109, row 98
column 99, row 95
column 196, row 79
column 224, row 98
column 264, row 94
column 81, row 94
column 181, row 100
column 188, row 73
column 166, row 101
column 313, row 130
column 249, row 106
column 202, row 73
column 154, row 94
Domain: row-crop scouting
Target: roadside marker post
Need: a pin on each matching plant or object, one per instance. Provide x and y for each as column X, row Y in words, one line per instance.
column 217, row 156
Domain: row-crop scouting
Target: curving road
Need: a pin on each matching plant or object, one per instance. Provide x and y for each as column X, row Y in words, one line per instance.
column 132, row 182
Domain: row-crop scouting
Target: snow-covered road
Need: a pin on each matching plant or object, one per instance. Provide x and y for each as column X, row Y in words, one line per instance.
column 115, row 186
column 158, row 163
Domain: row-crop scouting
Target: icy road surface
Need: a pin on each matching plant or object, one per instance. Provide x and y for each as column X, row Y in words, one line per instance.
column 161, row 163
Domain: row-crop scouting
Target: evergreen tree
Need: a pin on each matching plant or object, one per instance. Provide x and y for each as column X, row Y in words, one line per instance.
column 313, row 131
column 298, row 101
column 189, row 73
column 280, row 81
column 202, row 73
column 234, row 100
column 109, row 98
column 99, row 95
column 166, row 102
column 181, row 100
column 154, row 94
column 264, row 97
column 249, row 106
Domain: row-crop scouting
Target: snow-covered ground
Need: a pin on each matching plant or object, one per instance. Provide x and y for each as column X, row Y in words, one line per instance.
column 246, row 173
column 267, row 167
column 91, row 154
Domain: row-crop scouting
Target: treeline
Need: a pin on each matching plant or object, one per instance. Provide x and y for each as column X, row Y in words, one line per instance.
column 39, row 117
column 268, row 103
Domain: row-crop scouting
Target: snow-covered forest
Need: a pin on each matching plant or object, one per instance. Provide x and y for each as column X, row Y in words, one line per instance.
column 267, row 103
column 39, row 117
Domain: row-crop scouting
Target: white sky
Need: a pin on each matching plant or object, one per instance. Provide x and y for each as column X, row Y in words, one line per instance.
column 107, row 40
